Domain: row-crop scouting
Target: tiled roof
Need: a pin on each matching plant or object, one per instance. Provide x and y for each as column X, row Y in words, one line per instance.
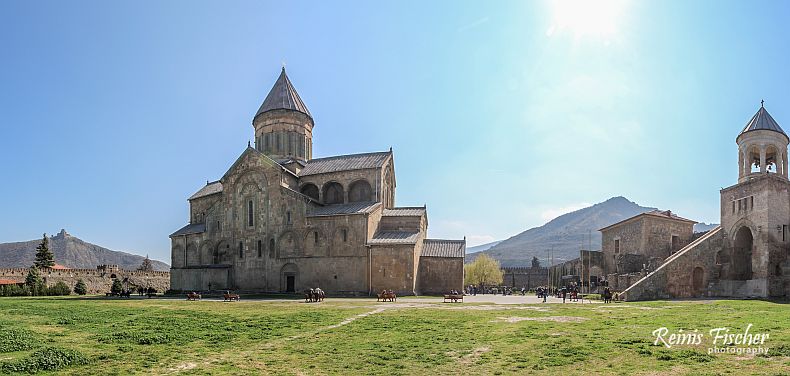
column 209, row 189
column 395, row 237
column 404, row 212
column 196, row 228
column 762, row 120
column 58, row 267
column 443, row 248
column 342, row 209
column 10, row 282
column 344, row 163
column 283, row 96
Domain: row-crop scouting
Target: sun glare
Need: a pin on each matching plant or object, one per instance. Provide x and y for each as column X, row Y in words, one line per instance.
column 597, row 18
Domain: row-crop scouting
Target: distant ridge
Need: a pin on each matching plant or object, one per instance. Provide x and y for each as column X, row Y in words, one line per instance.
column 71, row 252
column 565, row 234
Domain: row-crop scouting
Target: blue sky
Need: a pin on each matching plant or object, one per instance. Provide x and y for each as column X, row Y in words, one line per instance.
column 500, row 117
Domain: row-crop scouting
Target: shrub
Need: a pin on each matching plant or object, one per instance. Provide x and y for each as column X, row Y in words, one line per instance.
column 60, row 288
column 80, row 288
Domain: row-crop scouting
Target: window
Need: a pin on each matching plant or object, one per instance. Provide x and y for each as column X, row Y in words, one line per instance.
column 250, row 214
column 752, row 201
column 675, row 243
column 345, row 235
column 617, row 246
column 288, row 217
column 260, row 248
column 784, row 233
column 271, row 248
column 733, row 207
column 241, row 250
column 315, row 237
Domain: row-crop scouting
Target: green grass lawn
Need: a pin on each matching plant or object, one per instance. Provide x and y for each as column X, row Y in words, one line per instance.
column 359, row 336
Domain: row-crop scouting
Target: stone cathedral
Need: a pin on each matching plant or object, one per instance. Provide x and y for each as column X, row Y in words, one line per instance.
column 281, row 221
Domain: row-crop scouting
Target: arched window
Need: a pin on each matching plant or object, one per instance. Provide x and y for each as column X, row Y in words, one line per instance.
column 310, row 190
column 333, row 193
column 345, row 235
column 271, row 248
column 315, row 237
column 360, row 191
column 241, row 250
column 260, row 248
column 250, row 214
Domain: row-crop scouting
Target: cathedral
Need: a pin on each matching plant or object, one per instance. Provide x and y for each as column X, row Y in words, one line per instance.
column 280, row 220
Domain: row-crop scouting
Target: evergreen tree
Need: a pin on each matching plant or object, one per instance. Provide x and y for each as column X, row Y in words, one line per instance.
column 117, row 287
column 44, row 257
column 34, row 282
column 80, row 288
column 146, row 266
column 60, row 289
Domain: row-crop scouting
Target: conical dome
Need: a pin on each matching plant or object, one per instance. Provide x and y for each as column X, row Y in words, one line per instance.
column 762, row 120
column 283, row 96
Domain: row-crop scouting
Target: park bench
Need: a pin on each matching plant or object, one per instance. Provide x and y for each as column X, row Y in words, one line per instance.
column 231, row 297
column 455, row 298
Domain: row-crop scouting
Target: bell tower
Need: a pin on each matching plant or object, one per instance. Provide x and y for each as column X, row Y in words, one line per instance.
column 762, row 147
column 755, row 215
column 283, row 124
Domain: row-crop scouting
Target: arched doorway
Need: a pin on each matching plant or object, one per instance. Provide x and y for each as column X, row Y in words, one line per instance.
column 288, row 277
column 742, row 254
column 698, row 281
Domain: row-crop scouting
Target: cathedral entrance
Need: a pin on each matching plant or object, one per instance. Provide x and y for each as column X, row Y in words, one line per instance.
column 742, row 255
column 288, row 275
column 290, row 281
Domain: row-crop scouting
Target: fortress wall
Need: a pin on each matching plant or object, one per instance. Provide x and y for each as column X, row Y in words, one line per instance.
column 98, row 281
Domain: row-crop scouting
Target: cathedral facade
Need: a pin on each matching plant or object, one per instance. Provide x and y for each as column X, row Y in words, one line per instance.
column 280, row 220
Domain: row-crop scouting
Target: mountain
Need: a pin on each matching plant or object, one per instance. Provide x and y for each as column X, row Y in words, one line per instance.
column 482, row 247
column 565, row 234
column 704, row 227
column 71, row 252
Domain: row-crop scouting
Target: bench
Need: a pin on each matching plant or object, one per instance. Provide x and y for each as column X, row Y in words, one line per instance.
column 454, row 298
column 193, row 296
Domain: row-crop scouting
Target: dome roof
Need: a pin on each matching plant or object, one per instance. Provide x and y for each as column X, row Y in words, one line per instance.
column 762, row 120
column 283, row 96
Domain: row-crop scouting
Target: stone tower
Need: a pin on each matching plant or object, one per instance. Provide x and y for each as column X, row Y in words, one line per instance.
column 755, row 214
column 283, row 125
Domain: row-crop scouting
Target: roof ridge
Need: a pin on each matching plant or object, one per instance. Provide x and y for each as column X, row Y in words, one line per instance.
column 349, row 155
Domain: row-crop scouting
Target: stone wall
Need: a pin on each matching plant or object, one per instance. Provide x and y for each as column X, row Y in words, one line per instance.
column 675, row 278
column 630, row 236
column 97, row 280
column 439, row 275
column 531, row 278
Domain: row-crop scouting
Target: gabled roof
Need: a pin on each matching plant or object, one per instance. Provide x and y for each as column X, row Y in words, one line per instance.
column 283, row 96
column 443, row 248
column 762, row 120
column 210, row 189
column 345, row 163
column 190, row 229
column 404, row 212
column 666, row 214
column 395, row 237
column 342, row 209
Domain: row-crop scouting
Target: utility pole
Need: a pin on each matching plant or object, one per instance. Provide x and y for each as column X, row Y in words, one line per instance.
column 589, row 261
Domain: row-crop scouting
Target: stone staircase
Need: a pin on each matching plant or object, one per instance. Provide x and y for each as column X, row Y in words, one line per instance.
column 653, row 285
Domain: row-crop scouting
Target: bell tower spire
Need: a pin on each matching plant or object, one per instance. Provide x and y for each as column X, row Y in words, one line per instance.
column 283, row 124
column 762, row 147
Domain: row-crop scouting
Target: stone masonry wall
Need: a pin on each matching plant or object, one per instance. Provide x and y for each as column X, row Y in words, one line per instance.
column 96, row 280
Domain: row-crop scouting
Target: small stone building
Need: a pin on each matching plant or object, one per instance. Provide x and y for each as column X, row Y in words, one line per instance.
column 280, row 220
column 644, row 240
